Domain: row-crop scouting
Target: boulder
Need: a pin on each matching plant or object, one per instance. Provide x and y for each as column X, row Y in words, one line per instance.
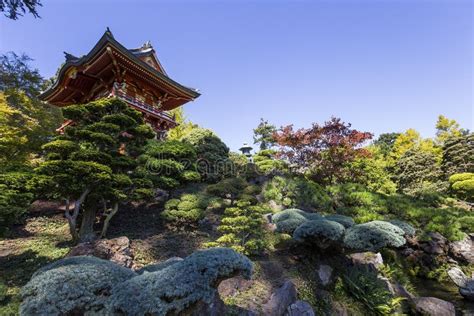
column 436, row 245
column 463, row 250
column 161, row 196
column 300, row 308
column 279, row 301
column 373, row 260
column 433, row 306
column 465, row 284
column 117, row 250
column 325, row 274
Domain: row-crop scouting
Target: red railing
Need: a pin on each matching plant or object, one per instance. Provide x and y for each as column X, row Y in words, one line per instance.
column 142, row 106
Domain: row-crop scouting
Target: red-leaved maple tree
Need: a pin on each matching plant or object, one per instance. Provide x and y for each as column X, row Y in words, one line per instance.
column 323, row 152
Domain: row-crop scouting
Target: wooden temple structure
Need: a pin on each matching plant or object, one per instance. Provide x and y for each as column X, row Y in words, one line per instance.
column 135, row 76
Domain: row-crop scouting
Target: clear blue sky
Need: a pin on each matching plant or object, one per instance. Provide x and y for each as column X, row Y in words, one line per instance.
column 381, row 65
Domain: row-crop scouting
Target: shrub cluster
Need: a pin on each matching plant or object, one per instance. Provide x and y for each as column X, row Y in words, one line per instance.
column 243, row 229
column 288, row 220
column 187, row 209
column 373, row 236
column 169, row 163
column 87, row 285
column 15, row 197
column 322, row 233
column 356, row 201
column 296, row 192
column 462, row 184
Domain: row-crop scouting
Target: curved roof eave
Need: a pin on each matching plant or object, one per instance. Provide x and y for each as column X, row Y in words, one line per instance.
column 108, row 38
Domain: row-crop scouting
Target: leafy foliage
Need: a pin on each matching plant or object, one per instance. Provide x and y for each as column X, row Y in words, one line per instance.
column 169, row 163
column 458, row 154
column 323, row 151
column 15, row 197
column 418, row 173
column 243, row 229
column 263, row 135
column 186, row 210
column 93, row 163
column 230, row 188
column 16, row 8
column 212, row 153
column 267, row 162
column 463, row 185
column 367, row 288
column 373, row 236
column 296, row 192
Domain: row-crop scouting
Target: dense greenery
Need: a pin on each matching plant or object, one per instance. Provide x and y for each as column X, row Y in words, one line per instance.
column 93, row 163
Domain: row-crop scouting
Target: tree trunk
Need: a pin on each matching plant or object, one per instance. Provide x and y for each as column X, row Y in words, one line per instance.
column 113, row 211
column 72, row 218
column 86, row 232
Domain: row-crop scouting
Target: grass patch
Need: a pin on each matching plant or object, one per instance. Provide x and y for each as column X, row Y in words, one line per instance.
column 47, row 241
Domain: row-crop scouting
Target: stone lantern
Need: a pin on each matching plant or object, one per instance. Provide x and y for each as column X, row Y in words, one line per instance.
column 245, row 149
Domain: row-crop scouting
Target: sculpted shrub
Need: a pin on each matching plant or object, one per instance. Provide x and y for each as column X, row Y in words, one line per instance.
column 92, row 286
column 322, row 233
column 178, row 286
column 345, row 221
column 462, row 184
column 373, row 236
column 188, row 209
column 243, row 229
column 407, row 228
column 169, row 163
column 72, row 285
column 288, row 220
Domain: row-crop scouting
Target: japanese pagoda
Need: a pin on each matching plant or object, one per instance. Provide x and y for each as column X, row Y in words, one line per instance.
column 135, row 76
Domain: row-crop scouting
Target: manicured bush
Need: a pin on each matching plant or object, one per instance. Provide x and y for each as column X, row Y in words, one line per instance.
column 296, row 192
column 178, row 286
column 345, row 221
column 267, row 163
column 243, row 229
column 188, row 209
column 92, row 286
column 159, row 266
column 407, row 228
column 72, row 285
column 212, row 153
column 169, row 163
column 293, row 213
column 289, row 225
column 373, row 236
column 322, row 233
column 462, row 184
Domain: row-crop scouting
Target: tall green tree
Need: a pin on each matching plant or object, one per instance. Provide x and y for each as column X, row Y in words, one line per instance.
column 417, row 172
column 458, row 154
column 29, row 121
column 94, row 163
column 446, row 128
column 385, row 142
column 263, row 135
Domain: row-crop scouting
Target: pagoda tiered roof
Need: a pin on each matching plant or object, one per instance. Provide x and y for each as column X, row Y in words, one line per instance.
column 138, row 70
